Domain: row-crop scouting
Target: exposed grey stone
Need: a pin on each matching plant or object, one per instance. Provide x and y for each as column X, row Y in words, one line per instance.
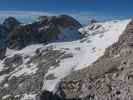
column 16, row 60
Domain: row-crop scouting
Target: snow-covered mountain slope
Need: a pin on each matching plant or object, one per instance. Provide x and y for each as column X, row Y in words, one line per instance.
column 86, row 52
column 43, row 66
column 109, row 78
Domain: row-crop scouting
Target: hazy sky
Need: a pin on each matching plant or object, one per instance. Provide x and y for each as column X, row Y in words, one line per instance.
column 102, row 9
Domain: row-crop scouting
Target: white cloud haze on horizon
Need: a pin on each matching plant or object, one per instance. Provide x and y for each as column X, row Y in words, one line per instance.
column 82, row 17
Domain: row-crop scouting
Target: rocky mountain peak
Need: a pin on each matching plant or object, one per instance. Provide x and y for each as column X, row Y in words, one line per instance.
column 47, row 29
column 10, row 23
column 61, row 20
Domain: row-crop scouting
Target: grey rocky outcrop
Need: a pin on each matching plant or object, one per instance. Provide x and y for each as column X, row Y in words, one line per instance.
column 8, row 25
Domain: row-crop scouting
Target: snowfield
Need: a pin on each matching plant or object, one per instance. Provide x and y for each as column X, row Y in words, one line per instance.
column 98, row 37
column 85, row 53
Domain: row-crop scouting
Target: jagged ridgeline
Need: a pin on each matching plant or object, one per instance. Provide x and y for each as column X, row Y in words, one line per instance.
column 15, row 35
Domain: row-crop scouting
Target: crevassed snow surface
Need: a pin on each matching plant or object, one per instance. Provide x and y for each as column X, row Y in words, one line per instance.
column 85, row 51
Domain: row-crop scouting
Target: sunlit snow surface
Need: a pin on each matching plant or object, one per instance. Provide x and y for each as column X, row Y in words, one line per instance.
column 85, row 51
column 90, row 50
